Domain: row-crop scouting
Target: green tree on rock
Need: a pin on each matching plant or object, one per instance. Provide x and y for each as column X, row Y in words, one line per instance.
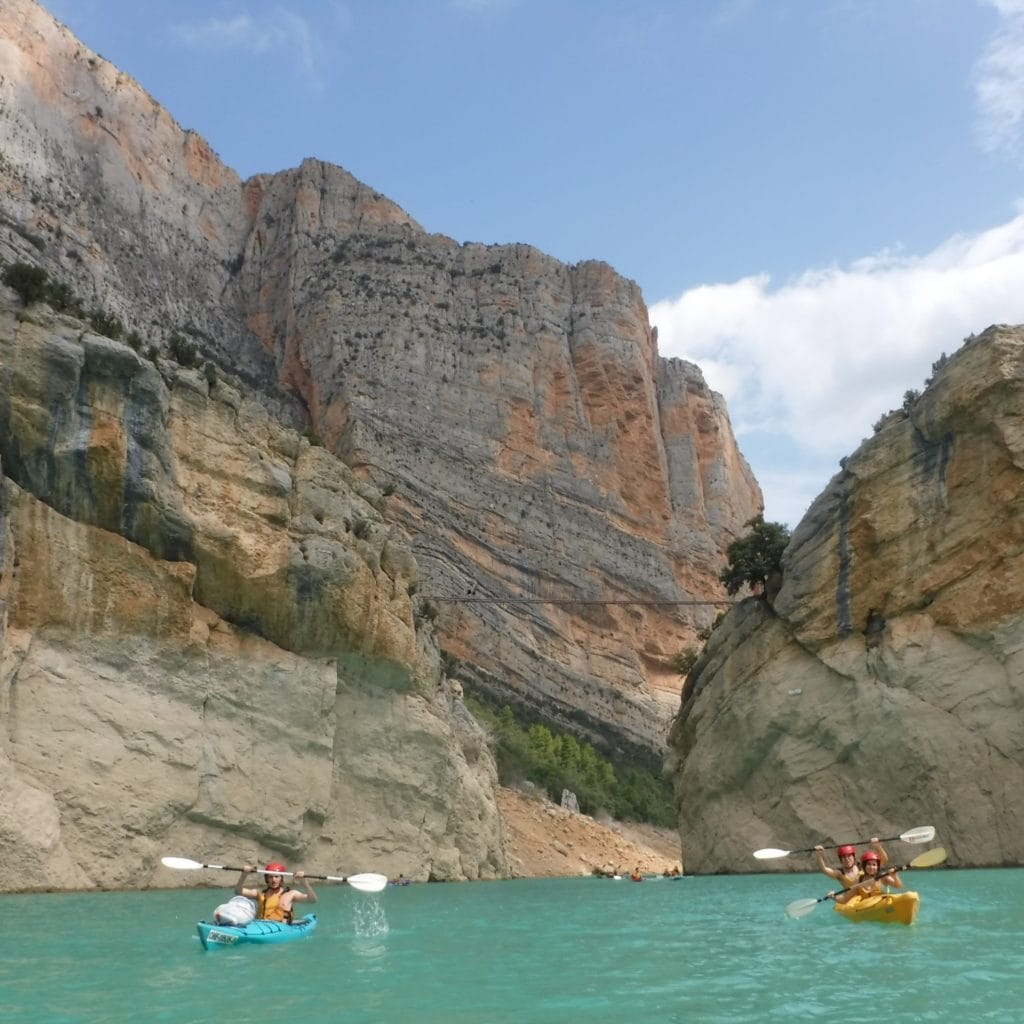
column 29, row 282
column 755, row 558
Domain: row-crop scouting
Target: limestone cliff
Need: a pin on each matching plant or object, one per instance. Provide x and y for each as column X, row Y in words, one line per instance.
column 884, row 688
column 207, row 638
column 537, row 445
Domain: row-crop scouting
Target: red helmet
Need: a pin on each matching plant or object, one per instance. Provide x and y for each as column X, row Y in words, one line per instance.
column 847, row 851
column 870, row 855
column 275, row 869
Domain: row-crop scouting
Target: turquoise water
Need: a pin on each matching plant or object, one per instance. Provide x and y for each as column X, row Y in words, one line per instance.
column 565, row 950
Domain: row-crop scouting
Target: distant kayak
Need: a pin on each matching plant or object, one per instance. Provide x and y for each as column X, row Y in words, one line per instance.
column 217, row 936
column 893, row 908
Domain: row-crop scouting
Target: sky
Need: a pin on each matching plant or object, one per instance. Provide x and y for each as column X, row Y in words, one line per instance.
column 818, row 198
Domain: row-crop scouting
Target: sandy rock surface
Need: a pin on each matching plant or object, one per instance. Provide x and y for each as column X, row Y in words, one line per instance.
column 543, row 840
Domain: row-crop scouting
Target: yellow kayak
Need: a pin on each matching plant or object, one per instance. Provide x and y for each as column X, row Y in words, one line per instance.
column 892, row 908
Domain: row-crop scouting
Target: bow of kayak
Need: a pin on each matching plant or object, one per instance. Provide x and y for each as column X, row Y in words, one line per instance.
column 218, row 936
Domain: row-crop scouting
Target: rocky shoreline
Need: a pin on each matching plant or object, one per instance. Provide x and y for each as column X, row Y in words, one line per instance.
column 543, row 840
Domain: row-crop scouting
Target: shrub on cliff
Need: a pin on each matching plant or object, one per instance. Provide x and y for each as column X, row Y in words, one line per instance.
column 34, row 284
column 684, row 660
column 107, row 324
column 31, row 283
column 756, row 557
column 183, row 351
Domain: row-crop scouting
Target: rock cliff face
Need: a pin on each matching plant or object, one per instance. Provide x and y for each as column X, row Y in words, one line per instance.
column 219, row 541
column 537, row 445
column 201, row 649
column 885, row 687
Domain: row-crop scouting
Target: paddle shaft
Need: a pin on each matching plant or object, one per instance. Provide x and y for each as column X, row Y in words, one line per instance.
column 881, row 874
column 285, row 874
column 923, row 834
column 257, row 871
column 366, row 882
column 859, row 842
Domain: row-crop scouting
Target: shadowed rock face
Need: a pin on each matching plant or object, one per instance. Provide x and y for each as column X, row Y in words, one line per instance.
column 198, row 651
column 885, row 688
column 536, row 443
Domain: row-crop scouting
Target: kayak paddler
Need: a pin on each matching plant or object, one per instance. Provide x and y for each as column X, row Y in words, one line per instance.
column 274, row 903
column 849, row 873
column 873, row 880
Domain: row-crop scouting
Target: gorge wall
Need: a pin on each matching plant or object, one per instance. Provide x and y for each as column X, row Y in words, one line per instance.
column 199, row 650
column 205, row 559
column 883, row 688
column 536, row 445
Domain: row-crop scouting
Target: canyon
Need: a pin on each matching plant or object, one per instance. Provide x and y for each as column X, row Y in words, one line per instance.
column 329, row 472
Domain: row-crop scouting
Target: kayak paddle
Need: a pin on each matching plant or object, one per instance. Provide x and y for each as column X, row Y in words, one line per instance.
column 928, row 859
column 366, row 882
column 923, row 834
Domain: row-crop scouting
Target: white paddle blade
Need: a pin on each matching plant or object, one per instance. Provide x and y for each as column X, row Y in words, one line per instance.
column 180, row 863
column 801, row 908
column 769, row 853
column 924, row 834
column 368, row 882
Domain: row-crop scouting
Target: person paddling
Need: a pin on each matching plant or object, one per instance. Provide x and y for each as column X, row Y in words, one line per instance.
column 872, row 883
column 274, row 903
column 848, row 874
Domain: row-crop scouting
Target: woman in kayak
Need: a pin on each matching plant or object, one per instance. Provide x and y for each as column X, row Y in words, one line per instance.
column 274, row 903
column 848, row 874
column 872, row 883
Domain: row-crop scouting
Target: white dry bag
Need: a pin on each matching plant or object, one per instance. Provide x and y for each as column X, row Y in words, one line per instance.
column 238, row 911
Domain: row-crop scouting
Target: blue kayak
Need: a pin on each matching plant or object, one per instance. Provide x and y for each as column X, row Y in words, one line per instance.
column 218, row 936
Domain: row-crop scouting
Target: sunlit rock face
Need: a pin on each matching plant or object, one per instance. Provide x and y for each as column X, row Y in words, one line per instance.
column 229, row 547
column 533, row 442
column 884, row 688
column 538, row 446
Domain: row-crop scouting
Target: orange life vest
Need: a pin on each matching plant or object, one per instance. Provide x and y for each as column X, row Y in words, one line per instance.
column 269, row 907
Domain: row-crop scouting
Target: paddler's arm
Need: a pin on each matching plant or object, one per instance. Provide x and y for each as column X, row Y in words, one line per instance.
column 240, row 888
column 892, row 879
column 820, row 853
column 883, row 857
column 309, row 895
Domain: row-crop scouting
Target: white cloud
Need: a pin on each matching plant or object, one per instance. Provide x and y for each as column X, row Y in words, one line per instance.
column 815, row 362
column 789, row 492
column 1007, row 8
column 280, row 31
column 999, row 83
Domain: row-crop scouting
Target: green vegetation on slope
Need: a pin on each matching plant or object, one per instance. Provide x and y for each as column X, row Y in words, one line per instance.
column 557, row 761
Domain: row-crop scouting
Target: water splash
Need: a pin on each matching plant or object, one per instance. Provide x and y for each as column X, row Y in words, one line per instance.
column 369, row 932
column 369, row 919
